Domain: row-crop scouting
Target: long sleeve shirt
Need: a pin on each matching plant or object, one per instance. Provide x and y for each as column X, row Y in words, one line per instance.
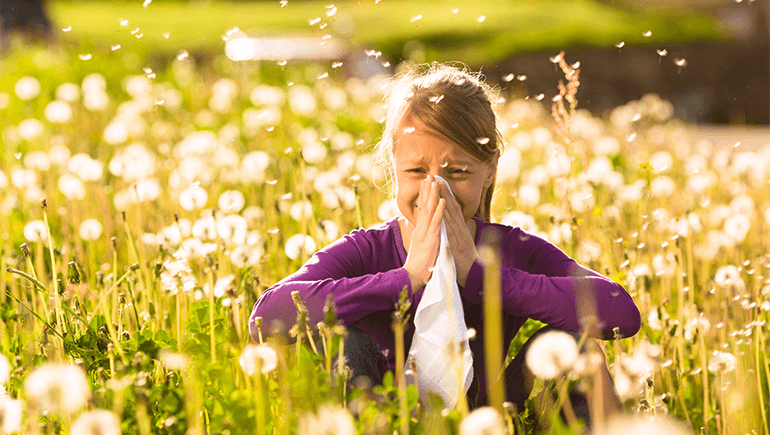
column 363, row 271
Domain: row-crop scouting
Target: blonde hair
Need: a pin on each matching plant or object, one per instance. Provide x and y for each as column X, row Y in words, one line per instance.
column 455, row 103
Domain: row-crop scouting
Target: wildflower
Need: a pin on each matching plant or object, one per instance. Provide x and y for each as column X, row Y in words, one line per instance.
column 483, row 421
column 69, row 92
column 328, row 421
column 301, row 210
column 176, row 275
column 30, row 129
column 737, row 227
column 642, row 361
column 558, row 165
column 729, row 276
column 35, row 231
column 246, row 255
column 5, row 370
column 115, row 133
column 27, row 88
column 659, row 425
column 231, row 201
column 173, row 360
column 96, row 422
column 301, row 100
column 314, row 152
column 529, row 195
column 662, row 186
column 10, row 415
column 193, row 198
column 232, row 228
column 90, row 229
column 133, row 163
column 96, row 101
column 94, row 82
column 86, row 168
column 296, row 243
column 721, row 362
column 258, row 357
column 59, row 388
column 265, row 95
column 58, row 112
column 253, row 166
column 71, row 187
column 220, row 287
column 552, row 354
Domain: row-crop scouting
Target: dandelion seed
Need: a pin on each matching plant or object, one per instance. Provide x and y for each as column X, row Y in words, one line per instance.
column 271, row 182
column 314, row 21
column 160, row 102
column 521, row 77
column 284, row 3
column 258, row 357
column 555, row 59
column 66, row 29
column 408, row 130
column 336, row 64
column 556, row 98
column 135, row 31
column 182, row 55
column 662, row 52
column 232, row 31
column 721, row 362
column 17, row 156
column 282, row 62
column 416, row 18
column 139, row 35
column 115, row 47
column 146, row 3
column 332, row 10
column 323, row 26
column 84, row 56
column 455, row 10
column 509, row 77
column 436, row 99
column 123, row 23
column 647, row 34
column 631, row 137
column 552, row 354
column 166, row 35
column 482, row 140
column 386, row 64
column 539, row 97
column 323, row 76
column 481, row 19
column 97, row 422
column 620, row 44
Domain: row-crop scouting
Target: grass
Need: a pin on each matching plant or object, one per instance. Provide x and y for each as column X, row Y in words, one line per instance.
column 509, row 27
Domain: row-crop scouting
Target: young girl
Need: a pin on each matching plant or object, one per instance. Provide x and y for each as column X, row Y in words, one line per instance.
column 441, row 122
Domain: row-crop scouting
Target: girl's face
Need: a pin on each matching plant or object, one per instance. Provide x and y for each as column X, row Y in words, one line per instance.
column 419, row 152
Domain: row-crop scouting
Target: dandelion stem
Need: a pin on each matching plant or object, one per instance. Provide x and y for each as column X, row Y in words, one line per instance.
column 56, row 297
column 757, row 343
column 493, row 340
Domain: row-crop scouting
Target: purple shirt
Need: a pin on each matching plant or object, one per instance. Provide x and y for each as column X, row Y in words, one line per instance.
column 364, row 274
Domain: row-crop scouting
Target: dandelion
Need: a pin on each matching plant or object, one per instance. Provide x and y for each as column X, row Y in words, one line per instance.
column 246, row 255
column 659, row 425
column 520, row 219
column 301, row 100
column 173, row 360
column 296, row 243
column 68, row 92
column 721, row 362
column 10, row 415
column 90, row 229
column 96, row 422
column 328, row 421
column 552, row 354
column 220, row 286
column 258, row 357
column 232, row 228
column 737, row 227
column 35, row 231
column 231, row 201
column 27, row 88
column 176, row 275
column 30, row 129
column 5, row 370
column 483, row 421
column 193, row 198
column 301, row 210
column 58, row 388
column 71, row 187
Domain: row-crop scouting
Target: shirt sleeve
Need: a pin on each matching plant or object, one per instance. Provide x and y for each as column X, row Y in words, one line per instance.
column 342, row 270
column 541, row 282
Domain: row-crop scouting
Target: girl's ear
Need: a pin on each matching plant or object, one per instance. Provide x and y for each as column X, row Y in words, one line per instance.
column 492, row 169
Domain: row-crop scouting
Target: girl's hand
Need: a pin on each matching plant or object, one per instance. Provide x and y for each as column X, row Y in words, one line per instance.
column 426, row 235
column 461, row 242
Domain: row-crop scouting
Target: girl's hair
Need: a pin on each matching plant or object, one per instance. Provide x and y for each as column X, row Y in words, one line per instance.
column 455, row 103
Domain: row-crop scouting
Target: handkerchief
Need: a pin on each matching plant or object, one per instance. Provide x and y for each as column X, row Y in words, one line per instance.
column 439, row 346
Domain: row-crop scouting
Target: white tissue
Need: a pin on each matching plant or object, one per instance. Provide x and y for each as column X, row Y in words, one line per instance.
column 440, row 339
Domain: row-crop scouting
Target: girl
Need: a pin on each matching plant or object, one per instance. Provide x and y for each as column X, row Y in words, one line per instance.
column 441, row 122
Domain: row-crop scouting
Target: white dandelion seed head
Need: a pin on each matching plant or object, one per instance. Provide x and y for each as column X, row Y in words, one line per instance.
column 296, row 243
column 388, row 209
column 27, row 88
column 483, row 421
column 133, row 163
column 329, row 420
column 528, row 196
column 509, row 165
column 57, row 388
column 96, row 422
column 71, row 187
column 68, row 92
column 721, row 362
column 589, row 251
column 58, row 112
column 5, row 370
column 35, row 231
column 301, row 100
column 558, row 165
column 634, row 425
column 301, row 210
column 137, row 86
column 193, row 198
column 30, row 129
column 265, row 95
column 520, row 219
column 90, row 229
column 231, row 201
column 246, row 255
column 661, row 161
column 86, row 168
column 232, row 229
column 253, row 167
column 335, row 98
column 551, row 354
column 737, row 227
column 173, row 360
column 37, row 160
column 205, row 229
column 94, row 82
column 220, row 286
column 662, row 186
column 23, row 178
column 258, row 357
column 314, row 152
column 10, row 415
column 96, row 101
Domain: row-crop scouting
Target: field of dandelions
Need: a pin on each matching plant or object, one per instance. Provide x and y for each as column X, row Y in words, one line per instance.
column 144, row 211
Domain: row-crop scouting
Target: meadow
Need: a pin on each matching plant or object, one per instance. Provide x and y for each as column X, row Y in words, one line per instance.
column 143, row 212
